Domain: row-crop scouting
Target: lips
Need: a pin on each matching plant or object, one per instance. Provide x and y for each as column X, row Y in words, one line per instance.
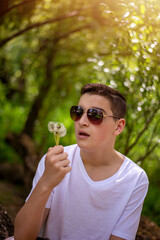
column 82, row 133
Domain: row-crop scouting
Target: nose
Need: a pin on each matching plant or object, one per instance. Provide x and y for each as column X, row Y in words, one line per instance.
column 83, row 121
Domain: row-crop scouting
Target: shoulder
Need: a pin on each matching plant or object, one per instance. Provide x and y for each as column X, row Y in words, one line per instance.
column 71, row 149
column 135, row 171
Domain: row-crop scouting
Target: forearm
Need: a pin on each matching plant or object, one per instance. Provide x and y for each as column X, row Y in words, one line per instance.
column 30, row 218
column 112, row 237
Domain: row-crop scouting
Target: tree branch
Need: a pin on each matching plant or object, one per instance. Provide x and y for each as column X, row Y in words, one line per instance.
column 40, row 24
column 71, row 32
column 129, row 128
column 147, row 153
column 16, row 6
column 37, row 25
column 148, row 121
column 150, row 149
column 152, row 135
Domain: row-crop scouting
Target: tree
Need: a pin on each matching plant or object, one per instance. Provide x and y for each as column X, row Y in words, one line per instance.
column 61, row 32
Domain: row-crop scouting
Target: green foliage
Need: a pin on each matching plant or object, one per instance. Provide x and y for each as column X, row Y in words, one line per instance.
column 49, row 49
column 151, row 206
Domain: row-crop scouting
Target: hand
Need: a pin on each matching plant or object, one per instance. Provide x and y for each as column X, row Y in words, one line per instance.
column 56, row 166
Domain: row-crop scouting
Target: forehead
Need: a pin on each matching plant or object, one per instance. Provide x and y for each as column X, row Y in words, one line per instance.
column 97, row 101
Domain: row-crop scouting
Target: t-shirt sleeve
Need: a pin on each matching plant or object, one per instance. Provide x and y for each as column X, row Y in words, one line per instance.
column 128, row 222
column 38, row 174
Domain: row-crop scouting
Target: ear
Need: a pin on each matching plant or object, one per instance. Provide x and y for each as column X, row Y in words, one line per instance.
column 119, row 126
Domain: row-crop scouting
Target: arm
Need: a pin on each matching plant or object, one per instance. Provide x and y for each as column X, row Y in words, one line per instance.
column 32, row 215
column 128, row 223
column 115, row 238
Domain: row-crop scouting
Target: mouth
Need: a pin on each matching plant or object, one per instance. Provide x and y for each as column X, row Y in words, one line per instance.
column 83, row 134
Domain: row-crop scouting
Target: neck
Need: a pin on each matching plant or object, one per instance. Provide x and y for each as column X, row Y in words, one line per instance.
column 100, row 158
column 103, row 165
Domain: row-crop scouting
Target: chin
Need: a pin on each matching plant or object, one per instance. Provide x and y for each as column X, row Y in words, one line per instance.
column 86, row 147
column 82, row 145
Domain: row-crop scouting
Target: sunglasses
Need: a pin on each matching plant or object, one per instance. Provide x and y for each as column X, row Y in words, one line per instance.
column 95, row 115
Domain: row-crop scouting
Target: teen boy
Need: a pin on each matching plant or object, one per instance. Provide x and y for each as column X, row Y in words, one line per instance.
column 87, row 191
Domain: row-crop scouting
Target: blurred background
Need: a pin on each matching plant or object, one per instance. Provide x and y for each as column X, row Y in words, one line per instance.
column 48, row 50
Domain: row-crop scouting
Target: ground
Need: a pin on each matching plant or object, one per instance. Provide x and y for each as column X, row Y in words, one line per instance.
column 12, row 198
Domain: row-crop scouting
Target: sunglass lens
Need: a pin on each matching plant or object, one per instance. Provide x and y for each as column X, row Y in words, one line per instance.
column 95, row 116
column 76, row 113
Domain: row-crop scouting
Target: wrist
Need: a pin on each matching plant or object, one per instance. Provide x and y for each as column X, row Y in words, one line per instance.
column 45, row 186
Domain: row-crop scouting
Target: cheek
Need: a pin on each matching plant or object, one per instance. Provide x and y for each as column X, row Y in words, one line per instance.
column 98, row 133
column 75, row 126
column 105, row 132
column 101, row 135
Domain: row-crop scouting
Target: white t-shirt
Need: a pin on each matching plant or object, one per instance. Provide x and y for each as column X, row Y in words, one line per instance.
column 81, row 209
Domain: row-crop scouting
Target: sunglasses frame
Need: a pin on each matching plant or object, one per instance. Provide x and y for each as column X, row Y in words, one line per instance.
column 92, row 119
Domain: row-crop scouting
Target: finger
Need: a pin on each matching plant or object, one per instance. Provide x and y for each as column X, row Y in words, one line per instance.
column 51, row 158
column 50, row 149
column 64, row 163
column 56, row 149
column 62, row 156
column 59, row 157
column 68, row 169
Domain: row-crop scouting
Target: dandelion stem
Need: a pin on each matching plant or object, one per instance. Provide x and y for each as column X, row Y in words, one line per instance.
column 57, row 140
column 56, row 137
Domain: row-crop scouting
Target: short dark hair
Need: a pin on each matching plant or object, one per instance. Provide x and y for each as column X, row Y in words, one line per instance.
column 116, row 99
